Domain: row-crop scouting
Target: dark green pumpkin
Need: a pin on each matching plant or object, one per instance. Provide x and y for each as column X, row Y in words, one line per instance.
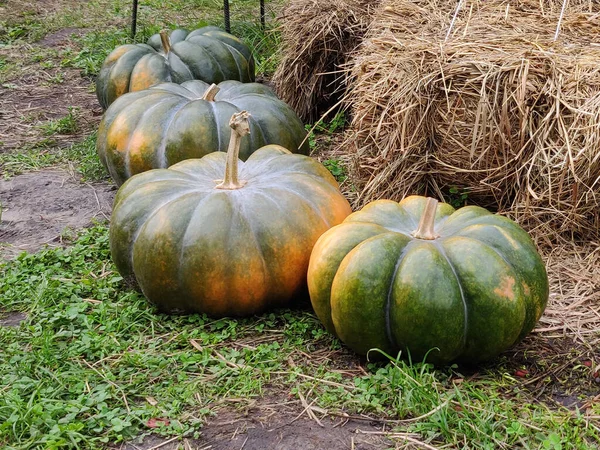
column 168, row 123
column 208, row 54
column 469, row 288
column 233, row 248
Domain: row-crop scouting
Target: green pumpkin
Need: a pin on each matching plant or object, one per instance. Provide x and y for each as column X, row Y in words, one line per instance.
column 208, row 54
column 168, row 123
column 415, row 276
column 234, row 247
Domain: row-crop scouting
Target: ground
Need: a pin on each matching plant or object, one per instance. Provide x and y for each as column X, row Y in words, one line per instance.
column 139, row 379
column 31, row 220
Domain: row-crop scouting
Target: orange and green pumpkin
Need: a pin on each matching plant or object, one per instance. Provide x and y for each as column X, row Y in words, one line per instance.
column 158, row 127
column 208, row 54
column 415, row 276
column 226, row 248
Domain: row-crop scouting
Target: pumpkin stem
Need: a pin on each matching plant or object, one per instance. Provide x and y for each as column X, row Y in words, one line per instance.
column 240, row 127
column 209, row 94
column 425, row 229
column 166, row 42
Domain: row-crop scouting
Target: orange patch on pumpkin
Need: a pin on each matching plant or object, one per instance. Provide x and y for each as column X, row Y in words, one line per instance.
column 141, row 80
column 506, row 288
column 118, row 52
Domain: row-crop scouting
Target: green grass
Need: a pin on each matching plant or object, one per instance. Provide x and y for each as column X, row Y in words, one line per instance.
column 94, row 362
column 44, row 153
column 64, row 125
column 320, row 136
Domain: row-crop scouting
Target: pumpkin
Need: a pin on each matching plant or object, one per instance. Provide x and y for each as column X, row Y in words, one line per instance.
column 415, row 276
column 209, row 54
column 226, row 248
column 168, row 123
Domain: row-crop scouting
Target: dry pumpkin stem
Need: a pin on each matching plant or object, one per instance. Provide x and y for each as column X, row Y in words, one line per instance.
column 425, row 229
column 240, row 127
column 165, row 41
column 499, row 109
column 210, row 93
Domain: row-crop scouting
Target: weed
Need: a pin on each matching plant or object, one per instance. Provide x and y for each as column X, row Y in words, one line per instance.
column 57, row 78
column 337, row 169
column 95, row 47
column 328, row 128
column 64, row 125
column 457, row 197
column 29, row 30
column 95, row 351
column 264, row 43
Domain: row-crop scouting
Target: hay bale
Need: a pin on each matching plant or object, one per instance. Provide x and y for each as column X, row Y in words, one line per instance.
column 491, row 105
column 316, row 38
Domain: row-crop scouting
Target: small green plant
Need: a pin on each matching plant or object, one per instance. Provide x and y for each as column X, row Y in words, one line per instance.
column 29, row 30
column 327, row 128
column 64, row 125
column 264, row 43
column 57, row 78
column 337, row 169
column 457, row 197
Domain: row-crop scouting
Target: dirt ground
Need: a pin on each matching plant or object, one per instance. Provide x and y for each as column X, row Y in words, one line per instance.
column 39, row 207
column 276, row 426
column 41, row 95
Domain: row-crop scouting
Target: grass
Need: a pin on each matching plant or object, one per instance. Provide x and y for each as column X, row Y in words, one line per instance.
column 64, row 125
column 44, row 153
column 94, row 363
column 320, row 137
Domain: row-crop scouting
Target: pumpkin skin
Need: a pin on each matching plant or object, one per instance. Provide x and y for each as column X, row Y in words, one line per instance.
column 168, row 123
column 192, row 247
column 209, row 54
column 472, row 292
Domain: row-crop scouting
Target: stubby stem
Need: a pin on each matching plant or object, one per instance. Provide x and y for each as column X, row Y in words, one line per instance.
column 164, row 39
column 209, row 94
column 426, row 225
column 240, row 127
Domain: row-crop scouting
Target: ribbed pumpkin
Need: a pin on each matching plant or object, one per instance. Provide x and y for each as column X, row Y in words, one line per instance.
column 226, row 248
column 414, row 276
column 208, row 54
column 168, row 123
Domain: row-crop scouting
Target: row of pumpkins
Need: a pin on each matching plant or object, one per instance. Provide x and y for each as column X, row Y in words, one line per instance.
column 198, row 230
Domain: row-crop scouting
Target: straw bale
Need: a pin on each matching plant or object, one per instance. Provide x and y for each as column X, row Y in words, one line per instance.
column 488, row 103
column 316, row 38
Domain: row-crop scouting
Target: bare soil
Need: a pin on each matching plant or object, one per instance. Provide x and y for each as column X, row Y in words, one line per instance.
column 39, row 96
column 274, row 426
column 11, row 319
column 39, row 206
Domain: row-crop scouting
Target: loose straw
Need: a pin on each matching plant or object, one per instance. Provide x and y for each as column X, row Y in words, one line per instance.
column 562, row 13
column 454, row 19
